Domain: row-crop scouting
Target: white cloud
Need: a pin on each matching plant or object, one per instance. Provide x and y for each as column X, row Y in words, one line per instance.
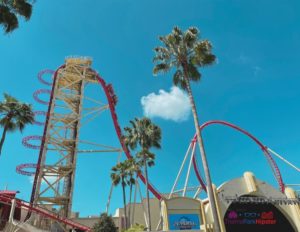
column 173, row 105
column 50, row 179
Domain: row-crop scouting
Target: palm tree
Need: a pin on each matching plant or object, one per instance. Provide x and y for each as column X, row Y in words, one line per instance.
column 10, row 10
column 14, row 115
column 120, row 175
column 185, row 52
column 145, row 135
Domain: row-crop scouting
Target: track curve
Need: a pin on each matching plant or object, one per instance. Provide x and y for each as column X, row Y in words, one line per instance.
column 21, row 169
column 37, row 93
column 39, row 113
column 25, row 141
column 42, row 73
column 268, row 156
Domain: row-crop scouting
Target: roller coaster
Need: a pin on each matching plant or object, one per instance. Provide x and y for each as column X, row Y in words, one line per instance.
column 60, row 141
column 61, row 129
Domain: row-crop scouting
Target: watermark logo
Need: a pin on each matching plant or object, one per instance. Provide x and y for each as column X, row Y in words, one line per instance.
column 232, row 215
column 267, row 215
column 254, row 218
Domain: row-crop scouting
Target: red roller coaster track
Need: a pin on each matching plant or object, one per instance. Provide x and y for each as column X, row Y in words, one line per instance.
column 39, row 113
column 267, row 154
column 20, row 203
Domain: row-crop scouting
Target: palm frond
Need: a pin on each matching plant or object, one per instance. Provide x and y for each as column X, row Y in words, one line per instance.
column 161, row 58
column 23, row 8
column 209, row 59
column 165, row 41
column 177, row 36
column 4, row 108
column 202, row 55
column 10, row 10
column 161, row 68
column 10, row 126
column 115, row 178
column 190, row 37
column 151, row 163
column 179, row 80
column 8, row 98
column 194, row 30
column 193, row 73
column 177, row 31
column 161, row 49
column 8, row 19
column 163, row 52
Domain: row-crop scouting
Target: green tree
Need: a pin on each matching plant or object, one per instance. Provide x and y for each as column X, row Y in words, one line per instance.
column 10, row 10
column 105, row 224
column 186, row 53
column 143, row 134
column 14, row 115
column 120, row 175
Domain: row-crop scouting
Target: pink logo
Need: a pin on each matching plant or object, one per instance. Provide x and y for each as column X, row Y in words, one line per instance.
column 267, row 215
column 232, row 215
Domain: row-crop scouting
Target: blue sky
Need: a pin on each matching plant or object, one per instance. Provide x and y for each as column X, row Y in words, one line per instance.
column 255, row 83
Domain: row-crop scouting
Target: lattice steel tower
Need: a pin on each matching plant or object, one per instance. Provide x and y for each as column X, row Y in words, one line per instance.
column 58, row 154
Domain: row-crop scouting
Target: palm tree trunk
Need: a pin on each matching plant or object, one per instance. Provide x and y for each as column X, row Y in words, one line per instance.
column 134, row 200
column 124, row 202
column 147, row 194
column 3, row 137
column 202, row 153
column 129, row 210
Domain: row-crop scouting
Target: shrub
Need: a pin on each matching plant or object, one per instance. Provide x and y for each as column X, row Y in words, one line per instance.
column 105, row 224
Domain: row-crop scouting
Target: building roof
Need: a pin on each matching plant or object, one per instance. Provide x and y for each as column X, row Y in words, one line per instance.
column 8, row 192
